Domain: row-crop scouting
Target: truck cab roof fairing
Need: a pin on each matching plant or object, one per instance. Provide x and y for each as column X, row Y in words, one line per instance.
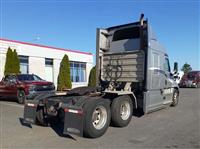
column 153, row 41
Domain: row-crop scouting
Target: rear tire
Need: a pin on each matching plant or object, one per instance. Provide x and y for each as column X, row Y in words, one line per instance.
column 121, row 111
column 175, row 98
column 21, row 96
column 40, row 118
column 97, row 118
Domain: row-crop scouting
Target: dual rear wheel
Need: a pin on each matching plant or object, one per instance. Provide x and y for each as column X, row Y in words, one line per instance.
column 97, row 118
column 100, row 113
column 122, row 109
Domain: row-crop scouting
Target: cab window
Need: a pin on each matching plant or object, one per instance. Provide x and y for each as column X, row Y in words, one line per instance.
column 166, row 65
column 126, row 33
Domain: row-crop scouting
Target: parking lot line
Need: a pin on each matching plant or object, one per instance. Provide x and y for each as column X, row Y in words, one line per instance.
column 13, row 105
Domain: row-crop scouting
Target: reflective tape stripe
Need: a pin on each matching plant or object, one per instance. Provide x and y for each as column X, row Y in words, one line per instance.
column 73, row 111
column 31, row 105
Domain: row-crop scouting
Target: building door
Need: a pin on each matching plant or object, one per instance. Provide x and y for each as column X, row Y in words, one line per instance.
column 49, row 69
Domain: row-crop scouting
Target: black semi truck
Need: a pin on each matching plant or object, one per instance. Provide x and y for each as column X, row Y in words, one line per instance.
column 133, row 73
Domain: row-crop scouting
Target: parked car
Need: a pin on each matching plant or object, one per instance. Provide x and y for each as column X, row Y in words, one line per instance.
column 24, row 86
column 191, row 79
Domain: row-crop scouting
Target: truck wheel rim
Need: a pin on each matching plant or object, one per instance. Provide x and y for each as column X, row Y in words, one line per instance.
column 99, row 117
column 125, row 110
column 175, row 99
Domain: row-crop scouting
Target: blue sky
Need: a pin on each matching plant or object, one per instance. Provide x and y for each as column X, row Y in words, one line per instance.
column 72, row 24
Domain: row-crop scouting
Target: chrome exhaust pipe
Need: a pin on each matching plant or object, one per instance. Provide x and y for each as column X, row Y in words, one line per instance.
column 142, row 19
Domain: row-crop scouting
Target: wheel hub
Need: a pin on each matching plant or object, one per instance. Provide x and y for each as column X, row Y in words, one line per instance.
column 175, row 97
column 125, row 110
column 99, row 117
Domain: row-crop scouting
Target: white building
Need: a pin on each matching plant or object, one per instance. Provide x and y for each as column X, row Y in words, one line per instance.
column 44, row 61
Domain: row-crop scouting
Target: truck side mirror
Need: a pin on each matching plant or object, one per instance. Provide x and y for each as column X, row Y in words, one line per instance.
column 171, row 75
column 175, row 67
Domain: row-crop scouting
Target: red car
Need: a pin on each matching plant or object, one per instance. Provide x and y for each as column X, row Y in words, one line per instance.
column 24, row 86
column 191, row 79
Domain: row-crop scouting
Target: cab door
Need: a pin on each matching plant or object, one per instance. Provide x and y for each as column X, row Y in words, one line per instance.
column 154, row 97
column 168, row 82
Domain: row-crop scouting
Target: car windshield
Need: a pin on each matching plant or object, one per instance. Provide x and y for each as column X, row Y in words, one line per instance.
column 27, row 77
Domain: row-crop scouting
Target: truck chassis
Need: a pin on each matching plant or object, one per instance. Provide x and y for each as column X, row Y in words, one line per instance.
column 87, row 114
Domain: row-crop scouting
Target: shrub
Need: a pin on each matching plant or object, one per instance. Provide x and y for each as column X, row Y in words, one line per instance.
column 92, row 77
column 64, row 81
column 8, row 65
column 16, row 63
column 12, row 64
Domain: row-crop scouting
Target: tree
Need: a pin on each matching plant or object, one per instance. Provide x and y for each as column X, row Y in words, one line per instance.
column 64, row 81
column 16, row 63
column 186, row 68
column 8, row 64
column 12, row 64
column 92, row 77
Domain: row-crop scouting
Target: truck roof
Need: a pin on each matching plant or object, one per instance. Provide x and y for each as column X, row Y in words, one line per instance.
column 123, row 25
column 153, row 40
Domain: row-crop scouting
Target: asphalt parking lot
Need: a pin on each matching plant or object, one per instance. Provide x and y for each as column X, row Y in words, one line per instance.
column 172, row 127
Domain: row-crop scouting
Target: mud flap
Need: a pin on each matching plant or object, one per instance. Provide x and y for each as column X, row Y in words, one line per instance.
column 30, row 111
column 73, row 121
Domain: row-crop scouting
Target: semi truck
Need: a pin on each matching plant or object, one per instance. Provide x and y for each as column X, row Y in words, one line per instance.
column 133, row 73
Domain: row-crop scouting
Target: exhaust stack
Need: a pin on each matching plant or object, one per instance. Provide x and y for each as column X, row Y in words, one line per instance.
column 142, row 19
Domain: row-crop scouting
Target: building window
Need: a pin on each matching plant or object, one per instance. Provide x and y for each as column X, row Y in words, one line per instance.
column 49, row 69
column 78, row 71
column 48, row 62
column 24, row 67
